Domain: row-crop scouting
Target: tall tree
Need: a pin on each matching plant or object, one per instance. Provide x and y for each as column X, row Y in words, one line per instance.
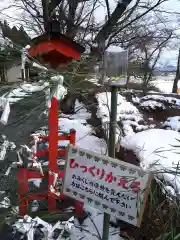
column 177, row 77
column 75, row 16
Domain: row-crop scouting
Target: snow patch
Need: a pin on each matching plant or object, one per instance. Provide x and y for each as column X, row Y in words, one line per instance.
column 170, row 100
column 164, row 85
column 172, row 123
column 5, row 203
column 84, row 137
column 128, row 116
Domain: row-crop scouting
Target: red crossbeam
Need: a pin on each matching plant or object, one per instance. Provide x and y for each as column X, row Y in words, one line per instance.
column 62, row 138
column 45, row 153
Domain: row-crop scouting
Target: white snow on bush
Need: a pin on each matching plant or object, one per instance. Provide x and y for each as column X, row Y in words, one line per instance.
column 172, row 123
column 84, row 137
column 156, row 102
column 160, row 98
column 151, row 104
column 128, row 115
column 123, row 106
column 158, row 150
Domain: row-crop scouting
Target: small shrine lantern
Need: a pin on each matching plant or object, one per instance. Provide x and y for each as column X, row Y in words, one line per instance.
column 54, row 48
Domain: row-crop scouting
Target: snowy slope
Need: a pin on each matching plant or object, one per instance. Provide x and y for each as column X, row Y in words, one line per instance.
column 158, row 150
column 164, row 85
column 152, row 147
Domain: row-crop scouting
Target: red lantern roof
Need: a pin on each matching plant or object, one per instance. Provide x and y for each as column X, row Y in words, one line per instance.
column 55, row 49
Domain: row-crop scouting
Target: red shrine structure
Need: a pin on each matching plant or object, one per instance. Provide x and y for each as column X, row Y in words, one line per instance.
column 55, row 49
column 25, row 174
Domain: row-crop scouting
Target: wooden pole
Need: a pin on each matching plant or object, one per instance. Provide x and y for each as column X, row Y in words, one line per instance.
column 111, row 149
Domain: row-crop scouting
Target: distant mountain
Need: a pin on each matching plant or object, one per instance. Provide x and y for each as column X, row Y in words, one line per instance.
column 166, row 68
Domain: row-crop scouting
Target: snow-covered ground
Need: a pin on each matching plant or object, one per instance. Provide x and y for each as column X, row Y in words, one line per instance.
column 164, row 85
column 159, row 151
column 84, row 137
column 153, row 147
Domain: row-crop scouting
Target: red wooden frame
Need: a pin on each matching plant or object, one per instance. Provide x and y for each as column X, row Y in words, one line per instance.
column 24, row 174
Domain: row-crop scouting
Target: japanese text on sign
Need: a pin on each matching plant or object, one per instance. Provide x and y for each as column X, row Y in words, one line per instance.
column 107, row 184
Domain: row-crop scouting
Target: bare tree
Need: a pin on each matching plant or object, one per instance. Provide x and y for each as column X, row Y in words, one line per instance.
column 149, row 39
column 123, row 26
column 177, row 77
column 75, row 16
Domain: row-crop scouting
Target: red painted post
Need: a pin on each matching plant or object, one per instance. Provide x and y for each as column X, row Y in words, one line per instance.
column 23, row 191
column 53, row 150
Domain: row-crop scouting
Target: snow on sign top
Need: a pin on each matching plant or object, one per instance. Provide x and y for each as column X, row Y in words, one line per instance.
column 110, row 185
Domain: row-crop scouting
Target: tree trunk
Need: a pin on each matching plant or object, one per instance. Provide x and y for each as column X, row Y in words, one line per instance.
column 128, row 79
column 177, row 77
column 67, row 104
column 145, row 77
column 144, row 84
column 45, row 6
column 3, row 76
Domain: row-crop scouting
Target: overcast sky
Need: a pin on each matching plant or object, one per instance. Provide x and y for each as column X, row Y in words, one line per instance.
column 170, row 5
